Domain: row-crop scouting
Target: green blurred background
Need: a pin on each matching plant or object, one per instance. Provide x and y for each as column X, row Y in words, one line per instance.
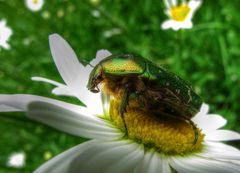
column 208, row 56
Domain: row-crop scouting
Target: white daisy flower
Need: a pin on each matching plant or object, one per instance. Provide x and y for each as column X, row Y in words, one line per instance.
column 180, row 14
column 34, row 5
column 16, row 160
column 151, row 145
column 5, row 34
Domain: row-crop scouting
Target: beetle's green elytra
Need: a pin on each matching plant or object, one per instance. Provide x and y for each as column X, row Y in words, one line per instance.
column 130, row 76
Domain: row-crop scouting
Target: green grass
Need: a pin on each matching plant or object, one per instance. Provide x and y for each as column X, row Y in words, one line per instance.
column 208, row 56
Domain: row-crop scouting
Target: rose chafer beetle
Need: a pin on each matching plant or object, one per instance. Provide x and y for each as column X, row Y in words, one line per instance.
column 130, row 76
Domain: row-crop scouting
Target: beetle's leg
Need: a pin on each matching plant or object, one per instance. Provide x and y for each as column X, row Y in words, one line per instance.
column 123, row 105
column 124, row 101
column 194, row 129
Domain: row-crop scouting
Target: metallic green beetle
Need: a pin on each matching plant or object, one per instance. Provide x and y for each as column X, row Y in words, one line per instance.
column 130, row 76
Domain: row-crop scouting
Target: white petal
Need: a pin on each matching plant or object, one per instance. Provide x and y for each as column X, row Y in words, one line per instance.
column 62, row 91
column 194, row 6
column 175, row 25
column 21, row 101
column 237, row 162
column 209, row 122
column 65, row 59
column 204, row 109
column 218, row 150
column 80, row 124
column 5, row 33
column 153, row 162
column 73, row 73
column 91, row 100
column 101, row 54
column 5, row 108
column 4, row 44
column 165, row 167
column 195, row 164
column 174, row 2
column 108, row 157
column 222, row 135
column 167, row 5
column 42, row 79
column 170, row 3
column 167, row 24
column 59, row 90
column 34, row 6
column 61, row 163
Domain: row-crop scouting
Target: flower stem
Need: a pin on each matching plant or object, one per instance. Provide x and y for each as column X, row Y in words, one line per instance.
column 179, row 47
column 224, row 54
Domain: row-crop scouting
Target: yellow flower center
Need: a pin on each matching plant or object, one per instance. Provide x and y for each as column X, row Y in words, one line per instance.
column 35, row 1
column 180, row 12
column 168, row 135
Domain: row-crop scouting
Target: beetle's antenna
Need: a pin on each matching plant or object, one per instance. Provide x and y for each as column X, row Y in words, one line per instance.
column 90, row 65
column 86, row 62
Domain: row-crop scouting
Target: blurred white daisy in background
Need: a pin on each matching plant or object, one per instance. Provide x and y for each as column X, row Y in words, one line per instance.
column 180, row 13
column 5, row 34
column 110, row 150
column 34, row 5
column 112, row 32
column 16, row 160
column 96, row 13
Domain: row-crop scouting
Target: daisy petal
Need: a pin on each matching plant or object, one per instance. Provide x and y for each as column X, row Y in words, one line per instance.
column 101, row 54
column 237, row 162
column 108, row 157
column 175, row 25
column 5, row 108
column 62, row 91
column 21, row 101
column 59, row 90
column 93, row 101
column 204, row 109
column 195, row 164
column 42, row 79
column 62, row 162
column 193, row 5
column 153, row 162
column 74, row 73
column 65, row 59
column 79, row 124
column 220, row 151
column 165, row 167
column 170, row 3
column 222, row 135
column 209, row 122
column 5, row 45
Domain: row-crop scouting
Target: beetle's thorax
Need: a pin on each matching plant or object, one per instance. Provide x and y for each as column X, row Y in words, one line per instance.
column 114, row 85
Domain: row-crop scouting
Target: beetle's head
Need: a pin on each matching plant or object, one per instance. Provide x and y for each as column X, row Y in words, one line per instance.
column 95, row 78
